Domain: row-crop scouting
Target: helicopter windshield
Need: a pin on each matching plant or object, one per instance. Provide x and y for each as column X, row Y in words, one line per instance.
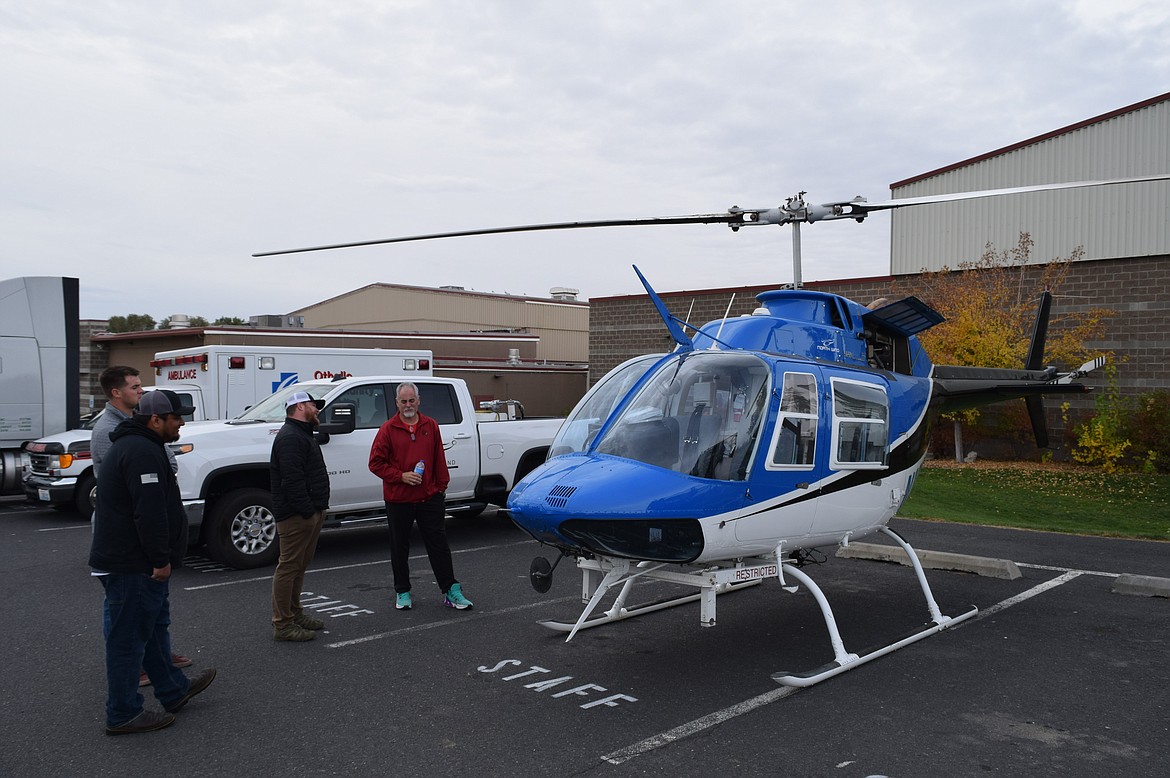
column 582, row 424
column 699, row 414
column 271, row 408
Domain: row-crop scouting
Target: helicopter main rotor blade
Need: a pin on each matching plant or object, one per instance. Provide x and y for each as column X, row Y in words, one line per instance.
column 884, row 205
column 710, row 218
column 794, row 211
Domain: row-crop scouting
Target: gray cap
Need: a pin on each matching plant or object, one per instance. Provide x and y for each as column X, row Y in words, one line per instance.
column 160, row 402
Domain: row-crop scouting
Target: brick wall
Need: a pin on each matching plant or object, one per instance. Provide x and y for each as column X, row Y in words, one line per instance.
column 94, row 359
column 1137, row 290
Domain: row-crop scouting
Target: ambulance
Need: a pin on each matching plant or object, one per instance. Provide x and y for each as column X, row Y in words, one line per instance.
column 224, row 381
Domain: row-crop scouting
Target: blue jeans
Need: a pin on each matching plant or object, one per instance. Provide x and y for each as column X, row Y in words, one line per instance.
column 136, row 622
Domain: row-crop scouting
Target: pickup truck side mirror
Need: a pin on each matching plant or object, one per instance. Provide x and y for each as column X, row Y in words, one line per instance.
column 337, row 419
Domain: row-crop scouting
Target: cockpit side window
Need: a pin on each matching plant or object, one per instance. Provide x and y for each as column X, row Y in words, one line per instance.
column 861, row 414
column 795, row 437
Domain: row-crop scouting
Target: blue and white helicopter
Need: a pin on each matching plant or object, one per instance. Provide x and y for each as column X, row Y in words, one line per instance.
column 758, row 439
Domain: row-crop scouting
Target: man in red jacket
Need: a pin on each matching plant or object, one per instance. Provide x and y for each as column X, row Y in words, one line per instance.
column 407, row 454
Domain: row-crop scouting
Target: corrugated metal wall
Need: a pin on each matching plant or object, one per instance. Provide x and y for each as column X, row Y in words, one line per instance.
column 1127, row 220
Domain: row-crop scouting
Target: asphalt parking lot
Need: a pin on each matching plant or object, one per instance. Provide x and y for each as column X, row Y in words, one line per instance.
column 1056, row 676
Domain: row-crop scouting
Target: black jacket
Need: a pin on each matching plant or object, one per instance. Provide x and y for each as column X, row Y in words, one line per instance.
column 139, row 522
column 297, row 475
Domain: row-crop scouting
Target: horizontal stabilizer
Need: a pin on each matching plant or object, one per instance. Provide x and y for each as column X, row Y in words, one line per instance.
column 969, row 387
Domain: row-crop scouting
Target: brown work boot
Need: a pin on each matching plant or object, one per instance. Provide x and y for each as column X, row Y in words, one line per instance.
column 198, row 684
column 293, row 632
column 146, row 721
column 304, row 621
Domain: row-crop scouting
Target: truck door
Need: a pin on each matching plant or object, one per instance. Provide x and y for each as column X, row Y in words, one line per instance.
column 460, row 438
column 351, row 484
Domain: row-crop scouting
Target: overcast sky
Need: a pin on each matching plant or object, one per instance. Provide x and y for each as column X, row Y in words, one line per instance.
column 149, row 148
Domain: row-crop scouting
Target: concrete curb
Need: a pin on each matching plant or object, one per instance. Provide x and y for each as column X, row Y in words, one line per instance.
column 934, row 560
column 1142, row 586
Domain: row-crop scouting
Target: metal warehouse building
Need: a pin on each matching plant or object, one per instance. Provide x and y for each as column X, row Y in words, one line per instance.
column 1115, row 222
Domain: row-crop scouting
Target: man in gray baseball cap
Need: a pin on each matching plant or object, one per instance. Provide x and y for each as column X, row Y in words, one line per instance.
column 140, row 534
column 162, row 402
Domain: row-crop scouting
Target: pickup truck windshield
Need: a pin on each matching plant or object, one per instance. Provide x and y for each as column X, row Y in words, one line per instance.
column 271, row 408
column 698, row 414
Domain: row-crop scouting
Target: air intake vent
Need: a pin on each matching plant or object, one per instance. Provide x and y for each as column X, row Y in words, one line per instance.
column 560, row 495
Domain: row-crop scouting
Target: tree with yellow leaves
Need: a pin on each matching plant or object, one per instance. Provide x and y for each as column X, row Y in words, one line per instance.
column 990, row 308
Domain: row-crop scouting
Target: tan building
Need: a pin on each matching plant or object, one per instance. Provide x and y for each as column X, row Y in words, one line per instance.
column 560, row 321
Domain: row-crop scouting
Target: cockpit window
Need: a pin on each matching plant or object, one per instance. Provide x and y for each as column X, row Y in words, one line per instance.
column 581, row 426
column 699, row 414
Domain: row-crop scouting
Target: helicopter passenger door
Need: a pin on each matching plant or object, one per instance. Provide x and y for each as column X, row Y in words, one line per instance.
column 791, row 460
column 859, row 442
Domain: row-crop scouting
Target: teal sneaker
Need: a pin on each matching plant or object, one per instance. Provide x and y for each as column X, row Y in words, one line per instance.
column 455, row 598
column 402, row 602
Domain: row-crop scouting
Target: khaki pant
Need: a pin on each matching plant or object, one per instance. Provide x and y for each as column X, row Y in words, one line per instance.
column 298, row 542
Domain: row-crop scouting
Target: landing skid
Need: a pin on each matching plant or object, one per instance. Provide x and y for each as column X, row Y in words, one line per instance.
column 601, row 574
column 842, row 659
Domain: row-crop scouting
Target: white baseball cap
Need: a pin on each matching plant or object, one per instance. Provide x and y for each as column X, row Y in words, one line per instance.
column 302, row 397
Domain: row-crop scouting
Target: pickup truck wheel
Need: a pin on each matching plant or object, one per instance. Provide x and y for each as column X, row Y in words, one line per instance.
column 242, row 530
column 84, row 495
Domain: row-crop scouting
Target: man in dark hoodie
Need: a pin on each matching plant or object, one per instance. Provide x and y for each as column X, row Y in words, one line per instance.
column 300, row 495
column 140, row 532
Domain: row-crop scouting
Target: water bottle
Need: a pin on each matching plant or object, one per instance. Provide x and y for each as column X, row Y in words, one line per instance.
column 418, row 469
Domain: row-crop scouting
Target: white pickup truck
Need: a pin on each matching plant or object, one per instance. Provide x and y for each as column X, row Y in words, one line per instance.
column 223, row 465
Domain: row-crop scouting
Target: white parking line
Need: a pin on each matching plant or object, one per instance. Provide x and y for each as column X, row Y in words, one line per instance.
column 698, row 725
column 712, row 719
column 347, row 567
column 450, row 622
column 1068, row 570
